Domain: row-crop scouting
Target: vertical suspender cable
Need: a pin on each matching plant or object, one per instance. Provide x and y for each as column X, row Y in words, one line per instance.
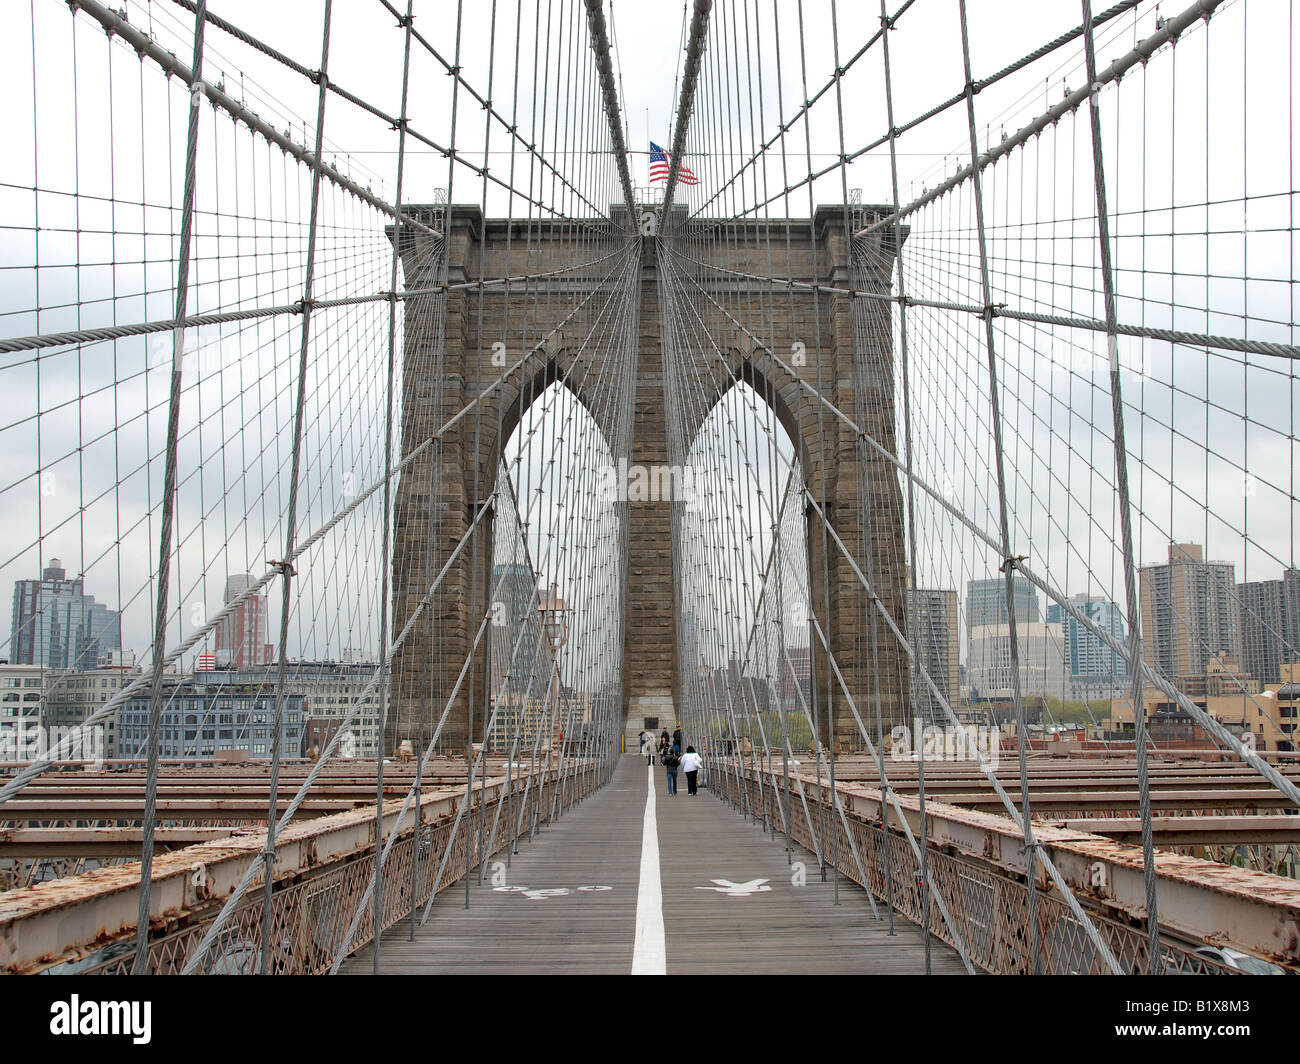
column 291, row 518
column 600, row 45
column 686, row 102
column 1008, row 568
column 1155, row 961
column 141, row 964
column 385, row 547
column 886, row 26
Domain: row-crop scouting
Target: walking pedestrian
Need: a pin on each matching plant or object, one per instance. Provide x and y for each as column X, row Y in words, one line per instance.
column 691, row 766
column 647, row 747
column 671, row 763
column 664, row 743
column 677, row 737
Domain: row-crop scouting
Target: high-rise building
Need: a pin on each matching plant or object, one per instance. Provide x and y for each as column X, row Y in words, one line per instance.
column 1040, row 650
column 932, row 630
column 796, row 676
column 1095, row 670
column 1190, row 612
column 331, row 692
column 58, row 626
column 21, row 690
column 71, row 697
column 1270, row 625
column 519, row 655
column 211, row 712
column 1291, row 581
column 986, row 602
column 241, row 637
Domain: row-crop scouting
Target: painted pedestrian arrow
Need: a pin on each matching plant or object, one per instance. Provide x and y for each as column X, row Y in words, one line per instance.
column 539, row 893
column 738, row 890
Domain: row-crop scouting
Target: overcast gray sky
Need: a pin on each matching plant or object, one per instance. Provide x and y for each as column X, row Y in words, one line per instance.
column 1213, row 436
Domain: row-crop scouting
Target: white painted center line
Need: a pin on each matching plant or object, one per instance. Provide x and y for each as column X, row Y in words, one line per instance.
column 649, row 956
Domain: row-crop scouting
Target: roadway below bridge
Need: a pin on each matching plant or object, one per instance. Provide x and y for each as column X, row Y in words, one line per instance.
column 635, row 881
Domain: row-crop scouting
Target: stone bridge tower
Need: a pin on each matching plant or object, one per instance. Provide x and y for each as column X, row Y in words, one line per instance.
column 849, row 362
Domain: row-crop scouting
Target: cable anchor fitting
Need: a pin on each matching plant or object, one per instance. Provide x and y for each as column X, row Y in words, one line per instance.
column 1012, row 562
column 285, row 569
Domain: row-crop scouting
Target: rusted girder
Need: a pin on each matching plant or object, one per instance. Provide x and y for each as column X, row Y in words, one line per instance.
column 1065, row 802
column 215, row 810
column 1196, row 830
column 66, row 919
column 1202, row 901
column 1072, row 784
column 100, row 842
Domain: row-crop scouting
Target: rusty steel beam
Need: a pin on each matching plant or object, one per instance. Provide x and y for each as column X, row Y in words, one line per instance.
column 67, row 918
column 1074, row 784
column 217, row 810
column 100, row 842
column 1201, row 901
column 1196, row 830
column 219, row 797
column 1045, row 802
column 217, row 791
column 908, row 771
column 125, row 785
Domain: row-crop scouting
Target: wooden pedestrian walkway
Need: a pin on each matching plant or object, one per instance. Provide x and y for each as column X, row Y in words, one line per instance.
column 581, row 899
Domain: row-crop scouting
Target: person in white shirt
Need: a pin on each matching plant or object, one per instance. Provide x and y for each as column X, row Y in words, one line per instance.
column 691, row 762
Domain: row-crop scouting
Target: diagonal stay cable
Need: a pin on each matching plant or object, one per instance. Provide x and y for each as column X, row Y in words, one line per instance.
column 109, row 708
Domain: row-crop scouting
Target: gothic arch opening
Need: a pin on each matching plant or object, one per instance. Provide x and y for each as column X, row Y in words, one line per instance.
column 741, row 573
column 555, row 673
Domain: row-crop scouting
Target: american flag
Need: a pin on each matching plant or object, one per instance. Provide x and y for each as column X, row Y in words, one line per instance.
column 659, row 165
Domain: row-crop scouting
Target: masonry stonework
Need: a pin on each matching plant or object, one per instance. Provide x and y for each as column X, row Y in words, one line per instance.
column 447, row 363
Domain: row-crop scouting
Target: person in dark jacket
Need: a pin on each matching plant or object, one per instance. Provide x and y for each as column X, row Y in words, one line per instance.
column 677, row 738
column 672, row 760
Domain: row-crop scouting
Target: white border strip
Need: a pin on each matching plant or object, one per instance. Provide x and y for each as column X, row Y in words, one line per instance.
column 649, row 956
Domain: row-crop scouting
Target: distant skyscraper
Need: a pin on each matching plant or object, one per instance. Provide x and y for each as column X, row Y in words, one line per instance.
column 1190, row 612
column 518, row 655
column 1270, row 625
column 241, row 637
column 57, row 625
column 1094, row 669
column 796, row 676
column 1040, row 652
column 986, row 602
column 932, row 630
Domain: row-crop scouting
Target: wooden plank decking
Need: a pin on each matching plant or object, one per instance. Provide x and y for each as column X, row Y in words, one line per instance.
column 571, row 901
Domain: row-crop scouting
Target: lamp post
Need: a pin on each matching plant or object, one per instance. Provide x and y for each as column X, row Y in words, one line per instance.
column 555, row 630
